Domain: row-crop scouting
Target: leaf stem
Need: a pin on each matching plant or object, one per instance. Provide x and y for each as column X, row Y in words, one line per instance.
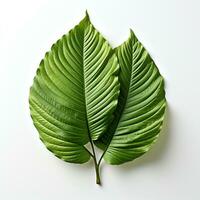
column 88, row 151
column 101, row 158
column 98, row 179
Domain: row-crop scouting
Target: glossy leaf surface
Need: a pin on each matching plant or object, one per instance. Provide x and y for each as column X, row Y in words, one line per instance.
column 75, row 92
column 86, row 92
column 139, row 115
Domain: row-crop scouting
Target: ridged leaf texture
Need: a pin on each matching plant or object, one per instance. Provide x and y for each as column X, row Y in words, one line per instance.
column 86, row 92
column 75, row 92
column 140, row 111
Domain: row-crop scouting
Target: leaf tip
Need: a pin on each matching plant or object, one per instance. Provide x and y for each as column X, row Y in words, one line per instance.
column 85, row 21
column 132, row 35
column 87, row 17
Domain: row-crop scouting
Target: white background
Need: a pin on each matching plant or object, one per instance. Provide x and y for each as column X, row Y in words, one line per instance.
column 170, row 30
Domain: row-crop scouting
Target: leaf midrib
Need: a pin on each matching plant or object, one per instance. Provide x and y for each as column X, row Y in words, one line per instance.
column 84, row 86
column 119, row 116
column 85, row 100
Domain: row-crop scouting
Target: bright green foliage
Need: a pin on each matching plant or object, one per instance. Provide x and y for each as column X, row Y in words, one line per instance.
column 80, row 96
column 75, row 92
column 139, row 115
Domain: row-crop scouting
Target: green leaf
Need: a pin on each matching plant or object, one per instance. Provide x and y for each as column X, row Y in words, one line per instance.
column 139, row 114
column 75, row 92
column 80, row 96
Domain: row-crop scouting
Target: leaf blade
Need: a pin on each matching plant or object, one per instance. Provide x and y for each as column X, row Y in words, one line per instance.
column 140, row 111
column 67, row 98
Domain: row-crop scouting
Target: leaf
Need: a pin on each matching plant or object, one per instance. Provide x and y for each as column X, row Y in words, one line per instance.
column 75, row 92
column 139, row 114
column 80, row 96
